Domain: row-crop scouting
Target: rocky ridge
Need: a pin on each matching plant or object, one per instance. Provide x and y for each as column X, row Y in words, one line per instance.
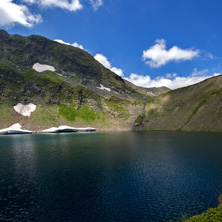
column 69, row 87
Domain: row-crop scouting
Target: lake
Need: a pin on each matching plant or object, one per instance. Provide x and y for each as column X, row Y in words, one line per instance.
column 130, row 176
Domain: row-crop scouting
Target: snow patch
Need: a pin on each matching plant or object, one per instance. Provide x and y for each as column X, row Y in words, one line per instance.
column 25, row 110
column 42, row 67
column 15, row 129
column 63, row 129
column 103, row 88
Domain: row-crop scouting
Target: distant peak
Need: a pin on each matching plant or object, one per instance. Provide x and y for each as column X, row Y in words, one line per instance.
column 3, row 32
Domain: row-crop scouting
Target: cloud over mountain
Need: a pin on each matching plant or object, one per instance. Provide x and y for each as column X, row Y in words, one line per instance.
column 75, row 44
column 104, row 61
column 158, row 55
column 171, row 81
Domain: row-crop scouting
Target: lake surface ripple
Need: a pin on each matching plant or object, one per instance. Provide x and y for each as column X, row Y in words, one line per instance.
column 133, row 176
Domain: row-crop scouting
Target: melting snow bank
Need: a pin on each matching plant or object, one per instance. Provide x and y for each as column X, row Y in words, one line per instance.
column 104, row 88
column 25, row 110
column 65, row 129
column 17, row 129
column 42, row 67
column 14, row 129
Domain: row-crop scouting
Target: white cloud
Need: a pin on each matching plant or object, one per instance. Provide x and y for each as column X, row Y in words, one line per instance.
column 171, row 75
column 210, row 55
column 199, row 73
column 168, row 81
column 96, row 3
column 104, row 61
column 207, row 55
column 73, row 5
column 158, row 55
column 75, row 44
column 61, row 41
column 11, row 13
column 30, row 1
column 119, row 72
column 216, row 74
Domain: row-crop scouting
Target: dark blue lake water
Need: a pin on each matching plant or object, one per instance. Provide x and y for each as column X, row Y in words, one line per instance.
column 135, row 176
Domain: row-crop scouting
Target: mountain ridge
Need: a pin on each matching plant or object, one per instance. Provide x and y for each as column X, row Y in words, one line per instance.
column 194, row 108
column 78, row 91
column 77, row 65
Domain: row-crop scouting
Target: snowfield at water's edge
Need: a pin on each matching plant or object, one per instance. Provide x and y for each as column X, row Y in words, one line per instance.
column 15, row 129
column 67, row 129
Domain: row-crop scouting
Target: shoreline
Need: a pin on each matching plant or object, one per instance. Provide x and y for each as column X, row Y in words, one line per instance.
column 17, row 129
column 101, row 131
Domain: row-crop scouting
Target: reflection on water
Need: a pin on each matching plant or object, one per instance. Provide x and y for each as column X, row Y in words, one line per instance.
column 24, row 156
column 136, row 176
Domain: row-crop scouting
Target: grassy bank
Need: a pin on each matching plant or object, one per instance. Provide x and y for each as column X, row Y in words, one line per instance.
column 211, row 215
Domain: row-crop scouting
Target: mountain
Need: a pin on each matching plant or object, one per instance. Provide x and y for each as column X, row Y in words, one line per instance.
column 44, row 84
column 67, row 85
column 193, row 108
column 76, row 65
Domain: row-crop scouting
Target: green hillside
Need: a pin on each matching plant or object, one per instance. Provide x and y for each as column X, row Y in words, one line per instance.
column 59, row 102
column 194, row 108
column 72, row 94
column 212, row 215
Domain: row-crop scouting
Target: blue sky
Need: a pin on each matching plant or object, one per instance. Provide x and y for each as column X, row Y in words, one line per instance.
column 149, row 42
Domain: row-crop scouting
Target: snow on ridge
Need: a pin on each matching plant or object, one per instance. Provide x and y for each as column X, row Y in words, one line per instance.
column 15, row 129
column 42, row 67
column 104, row 88
column 25, row 110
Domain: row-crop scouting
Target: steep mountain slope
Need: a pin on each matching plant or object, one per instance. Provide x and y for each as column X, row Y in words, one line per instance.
column 78, row 91
column 197, row 108
column 150, row 92
column 60, row 103
column 81, row 92
column 78, row 66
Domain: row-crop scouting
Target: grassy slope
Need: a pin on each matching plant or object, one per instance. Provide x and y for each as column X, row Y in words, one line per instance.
column 212, row 215
column 194, row 108
column 197, row 107
column 58, row 102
